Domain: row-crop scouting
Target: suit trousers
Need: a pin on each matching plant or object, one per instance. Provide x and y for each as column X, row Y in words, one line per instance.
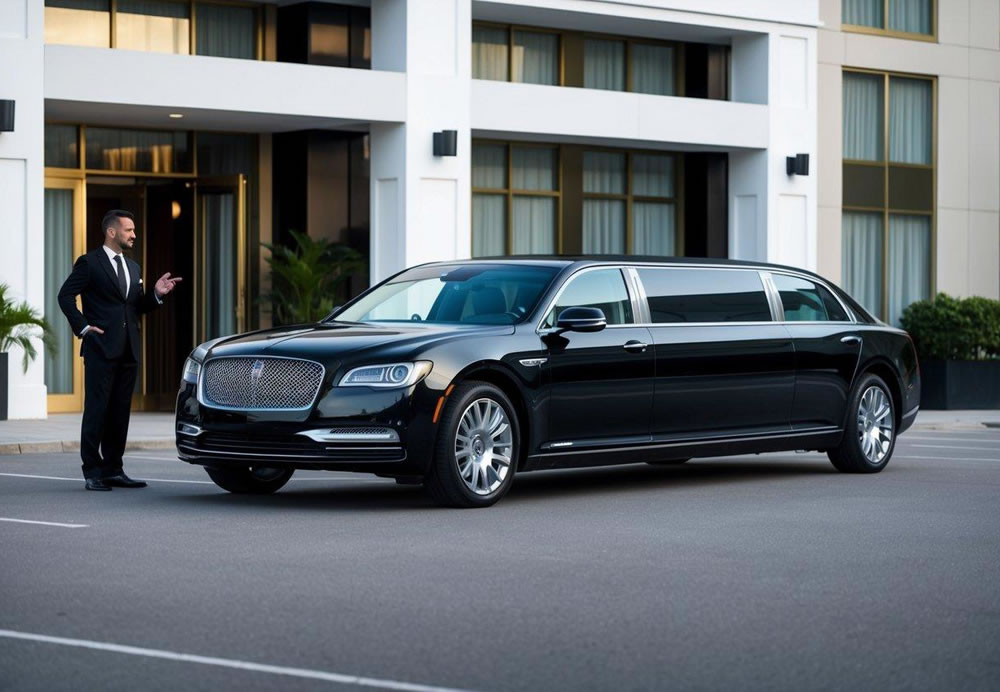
column 107, row 404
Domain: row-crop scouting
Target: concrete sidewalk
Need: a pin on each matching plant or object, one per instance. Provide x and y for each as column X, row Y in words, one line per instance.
column 60, row 432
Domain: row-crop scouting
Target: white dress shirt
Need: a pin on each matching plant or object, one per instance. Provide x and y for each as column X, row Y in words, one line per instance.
column 128, row 278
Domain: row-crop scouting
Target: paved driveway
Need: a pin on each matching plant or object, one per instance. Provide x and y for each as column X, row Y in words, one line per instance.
column 758, row 572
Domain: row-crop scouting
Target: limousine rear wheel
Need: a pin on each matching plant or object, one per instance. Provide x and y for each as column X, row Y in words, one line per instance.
column 870, row 437
column 254, row 480
column 477, row 447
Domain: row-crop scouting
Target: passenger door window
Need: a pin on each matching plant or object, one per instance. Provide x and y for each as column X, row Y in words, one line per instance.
column 704, row 295
column 600, row 288
column 805, row 301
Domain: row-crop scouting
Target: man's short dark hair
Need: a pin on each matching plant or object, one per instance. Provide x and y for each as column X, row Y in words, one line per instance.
column 114, row 217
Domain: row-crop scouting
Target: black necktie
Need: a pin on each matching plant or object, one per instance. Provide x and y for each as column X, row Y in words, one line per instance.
column 121, row 276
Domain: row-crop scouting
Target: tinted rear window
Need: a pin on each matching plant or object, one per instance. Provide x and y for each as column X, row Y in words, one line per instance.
column 704, row 295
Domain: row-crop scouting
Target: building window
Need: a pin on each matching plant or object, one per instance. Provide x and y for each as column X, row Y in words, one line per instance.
column 893, row 17
column 604, row 64
column 888, row 169
column 515, row 199
column 140, row 151
column 183, row 27
column 625, row 213
column 516, row 55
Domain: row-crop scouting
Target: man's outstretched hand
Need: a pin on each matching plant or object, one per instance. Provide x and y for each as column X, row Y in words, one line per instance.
column 165, row 284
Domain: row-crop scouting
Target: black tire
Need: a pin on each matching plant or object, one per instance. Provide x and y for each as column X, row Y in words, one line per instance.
column 669, row 462
column 444, row 481
column 850, row 456
column 250, row 480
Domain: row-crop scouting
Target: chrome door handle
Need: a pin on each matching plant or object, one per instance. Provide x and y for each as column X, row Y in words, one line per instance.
column 850, row 339
column 635, row 346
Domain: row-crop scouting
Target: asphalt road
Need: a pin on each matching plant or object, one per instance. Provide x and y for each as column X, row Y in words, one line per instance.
column 766, row 572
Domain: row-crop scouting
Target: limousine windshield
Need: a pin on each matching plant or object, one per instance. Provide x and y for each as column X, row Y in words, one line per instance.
column 471, row 294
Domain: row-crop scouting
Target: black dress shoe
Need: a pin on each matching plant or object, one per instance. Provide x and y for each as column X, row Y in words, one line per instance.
column 97, row 484
column 122, row 481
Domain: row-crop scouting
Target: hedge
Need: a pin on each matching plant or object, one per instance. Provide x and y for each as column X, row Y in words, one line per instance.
column 947, row 328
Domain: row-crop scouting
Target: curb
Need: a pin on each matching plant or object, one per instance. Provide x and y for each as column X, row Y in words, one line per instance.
column 59, row 446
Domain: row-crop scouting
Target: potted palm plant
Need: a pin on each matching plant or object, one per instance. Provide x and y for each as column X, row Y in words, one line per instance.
column 306, row 279
column 20, row 325
column 958, row 343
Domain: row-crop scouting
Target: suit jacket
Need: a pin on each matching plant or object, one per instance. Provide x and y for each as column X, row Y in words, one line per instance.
column 94, row 279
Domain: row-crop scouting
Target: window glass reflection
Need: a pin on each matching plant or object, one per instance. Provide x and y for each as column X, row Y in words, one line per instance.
column 705, row 295
column 157, row 26
column 137, row 150
column 78, row 22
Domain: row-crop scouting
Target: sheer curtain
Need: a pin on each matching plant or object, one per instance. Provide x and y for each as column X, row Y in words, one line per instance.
column 652, row 69
column 861, row 259
column 863, row 13
column 534, row 217
column 225, row 31
column 220, row 257
column 489, row 225
column 153, row 25
column 909, row 262
column 604, row 64
column 489, row 53
column 910, row 116
column 652, row 175
column 653, row 230
column 489, row 212
column 534, row 227
column 536, row 58
column 912, row 16
column 863, row 109
column 58, row 265
column 604, row 219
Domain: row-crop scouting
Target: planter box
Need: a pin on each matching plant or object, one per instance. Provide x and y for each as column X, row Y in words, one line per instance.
column 960, row 384
column 3, row 385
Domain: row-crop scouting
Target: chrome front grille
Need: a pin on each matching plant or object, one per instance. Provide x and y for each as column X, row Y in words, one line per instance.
column 257, row 383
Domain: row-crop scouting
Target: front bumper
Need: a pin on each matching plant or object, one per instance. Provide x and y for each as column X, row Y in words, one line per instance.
column 221, row 438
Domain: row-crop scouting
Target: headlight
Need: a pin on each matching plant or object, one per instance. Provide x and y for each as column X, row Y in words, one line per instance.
column 388, row 375
column 192, row 369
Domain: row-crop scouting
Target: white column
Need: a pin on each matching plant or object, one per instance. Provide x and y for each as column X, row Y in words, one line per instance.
column 22, row 261
column 420, row 202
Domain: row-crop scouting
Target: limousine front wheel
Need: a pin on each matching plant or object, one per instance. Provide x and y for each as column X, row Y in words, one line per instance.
column 254, row 480
column 477, row 448
column 870, row 436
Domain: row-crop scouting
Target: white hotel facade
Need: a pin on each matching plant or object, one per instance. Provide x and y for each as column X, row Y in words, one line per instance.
column 657, row 127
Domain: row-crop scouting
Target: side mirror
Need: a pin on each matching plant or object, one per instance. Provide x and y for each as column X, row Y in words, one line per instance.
column 581, row 320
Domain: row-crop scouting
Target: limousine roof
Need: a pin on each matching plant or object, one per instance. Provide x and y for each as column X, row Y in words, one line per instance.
column 584, row 260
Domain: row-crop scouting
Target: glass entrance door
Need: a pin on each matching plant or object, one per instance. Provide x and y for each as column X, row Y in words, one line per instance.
column 64, row 242
column 221, row 257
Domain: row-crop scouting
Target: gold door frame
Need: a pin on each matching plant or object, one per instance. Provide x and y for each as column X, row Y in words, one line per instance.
column 73, row 402
column 237, row 185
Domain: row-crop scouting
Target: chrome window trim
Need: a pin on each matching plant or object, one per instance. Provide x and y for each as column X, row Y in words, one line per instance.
column 541, row 330
column 773, row 297
column 201, row 384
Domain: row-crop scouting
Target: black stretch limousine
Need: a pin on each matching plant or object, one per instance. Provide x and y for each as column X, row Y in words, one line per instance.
column 459, row 374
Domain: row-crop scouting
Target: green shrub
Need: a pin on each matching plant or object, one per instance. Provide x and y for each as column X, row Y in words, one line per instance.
column 19, row 325
column 947, row 328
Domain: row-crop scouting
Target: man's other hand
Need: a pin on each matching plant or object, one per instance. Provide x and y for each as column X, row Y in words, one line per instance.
column 94, row 330
column 165, row 284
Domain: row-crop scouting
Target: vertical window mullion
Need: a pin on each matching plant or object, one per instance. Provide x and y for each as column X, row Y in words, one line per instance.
column 885, row 192
column 510, row 199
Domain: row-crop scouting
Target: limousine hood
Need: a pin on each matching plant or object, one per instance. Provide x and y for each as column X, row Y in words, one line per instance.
column 339, row 339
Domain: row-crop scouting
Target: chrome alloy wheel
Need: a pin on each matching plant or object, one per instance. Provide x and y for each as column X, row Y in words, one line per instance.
column 484, row 444
column 875, row 424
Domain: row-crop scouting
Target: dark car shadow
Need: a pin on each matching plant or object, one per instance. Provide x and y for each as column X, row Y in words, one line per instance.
column 381, row 495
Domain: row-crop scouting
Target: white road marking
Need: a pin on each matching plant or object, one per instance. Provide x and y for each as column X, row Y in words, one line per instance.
column 46, row 523
column 910, row 456
column 142, row 456
column 179, row 480
column 984, row 449
column 339, row 678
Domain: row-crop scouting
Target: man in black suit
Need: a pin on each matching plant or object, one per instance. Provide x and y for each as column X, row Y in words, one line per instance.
column 113, row 303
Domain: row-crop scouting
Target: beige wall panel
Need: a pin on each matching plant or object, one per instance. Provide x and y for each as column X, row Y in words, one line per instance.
column 830, row 13
column 953, row 21
column 953, row 143
column 829, row 144
column 830, row 47
column 953, row 251
column 984, row 151
column 828, row 243
column 902, row 55
column 984, row 254
column 984, row 64
column 984, row 23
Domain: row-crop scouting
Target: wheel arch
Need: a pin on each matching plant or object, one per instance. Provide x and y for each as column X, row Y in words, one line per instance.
column 885, row 370
column 498, row 375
